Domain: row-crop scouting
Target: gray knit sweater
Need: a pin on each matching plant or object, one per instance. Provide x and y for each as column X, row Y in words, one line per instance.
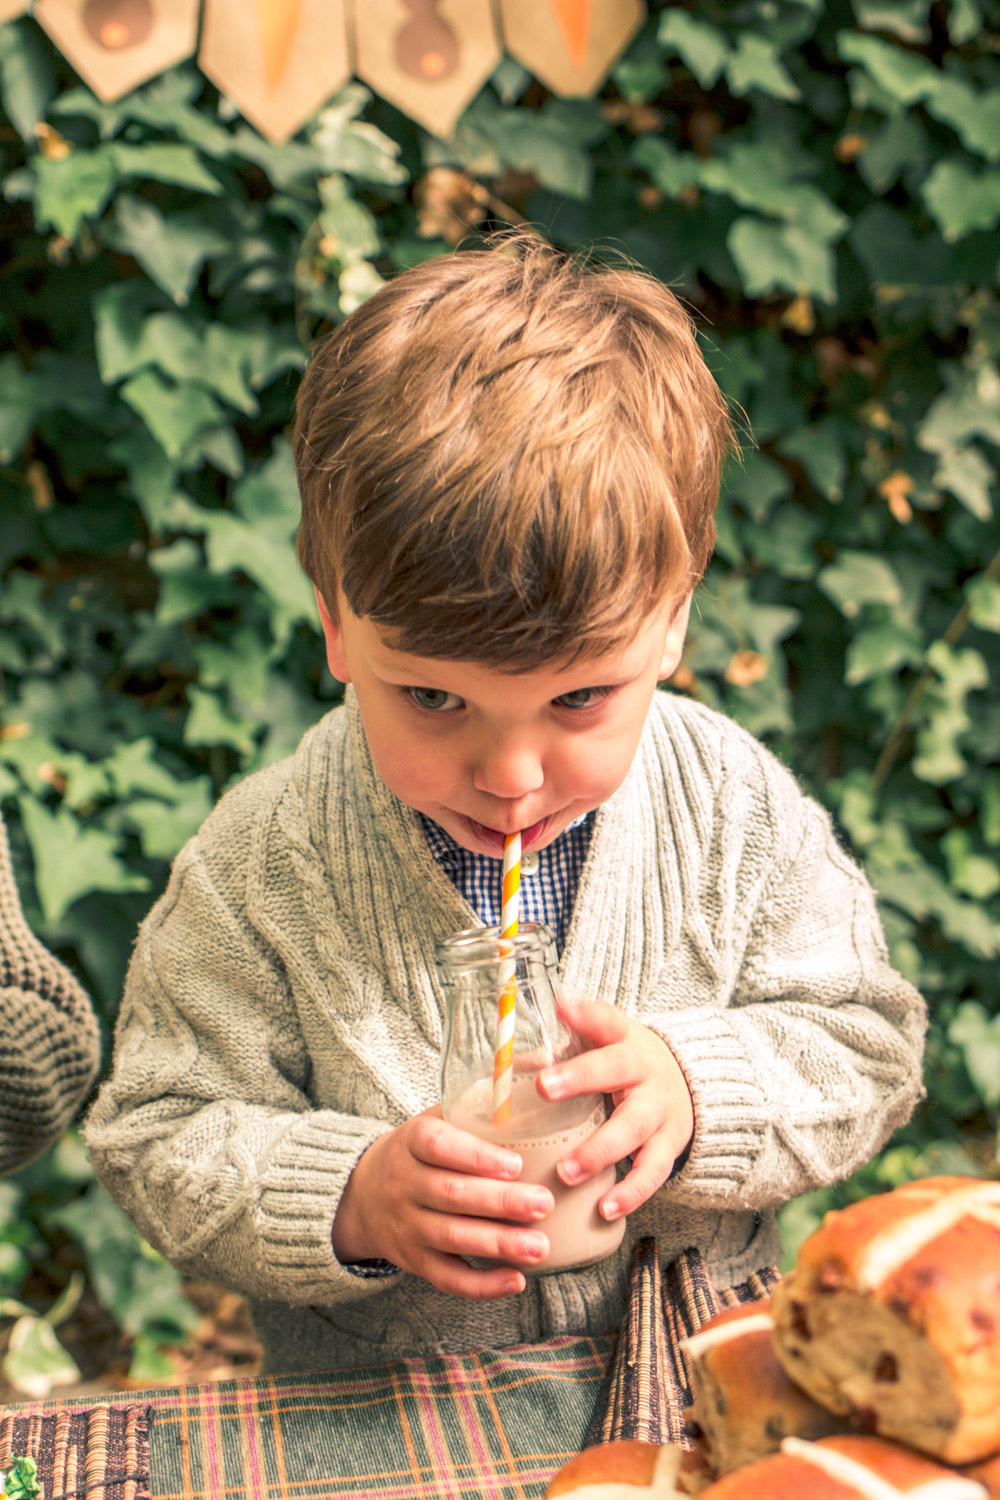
column 281, row 1011
column 50, row 1047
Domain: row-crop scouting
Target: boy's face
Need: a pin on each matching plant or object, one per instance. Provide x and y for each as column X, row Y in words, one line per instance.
column 484, row 753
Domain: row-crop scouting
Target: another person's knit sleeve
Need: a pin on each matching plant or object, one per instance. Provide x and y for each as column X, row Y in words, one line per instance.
column 207, row 1133
column 815, row 1057
column 50, row 1047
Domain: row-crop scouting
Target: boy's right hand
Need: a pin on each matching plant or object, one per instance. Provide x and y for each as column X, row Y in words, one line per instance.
column 427, row 1194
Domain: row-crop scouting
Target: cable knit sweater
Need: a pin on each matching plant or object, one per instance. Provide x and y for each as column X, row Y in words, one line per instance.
column 282, row 1011
column 50, row 1047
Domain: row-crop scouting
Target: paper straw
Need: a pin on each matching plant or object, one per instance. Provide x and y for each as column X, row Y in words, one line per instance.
column 503, row 1059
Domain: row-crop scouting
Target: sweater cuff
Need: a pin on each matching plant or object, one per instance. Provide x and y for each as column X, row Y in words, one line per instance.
column 730, row 1117
column 300, row 1192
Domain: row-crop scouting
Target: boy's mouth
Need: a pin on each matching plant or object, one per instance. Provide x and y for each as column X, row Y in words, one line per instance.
column 493, row 838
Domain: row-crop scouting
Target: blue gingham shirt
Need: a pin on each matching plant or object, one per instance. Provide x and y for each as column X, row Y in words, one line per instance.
column 549, row 876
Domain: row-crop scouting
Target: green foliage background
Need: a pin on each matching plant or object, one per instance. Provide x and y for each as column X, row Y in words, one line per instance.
column 821, row 183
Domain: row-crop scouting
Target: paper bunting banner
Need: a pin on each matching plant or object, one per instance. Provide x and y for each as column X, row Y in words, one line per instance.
column 277, row 60
column 570, row 45
column 11, row 8
column 428, row 57
column 115, row 45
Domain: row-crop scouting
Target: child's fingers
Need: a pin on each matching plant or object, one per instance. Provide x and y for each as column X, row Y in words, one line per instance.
column 484, row 1239
column 460, row 1195
column 623, row 1134
column 650, row 1169
column 438, row 1144
column 451, row 1274
column 606, row 1070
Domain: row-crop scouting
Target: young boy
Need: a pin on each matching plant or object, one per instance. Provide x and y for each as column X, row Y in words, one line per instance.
column 509, row 464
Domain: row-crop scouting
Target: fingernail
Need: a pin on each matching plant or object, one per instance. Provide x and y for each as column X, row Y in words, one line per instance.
column 534, row 1246
column 611, row 1210
column 514, row 1285
column 570, row 1171
column 510, row 1166
column 542, row 1203
column 553, row 1085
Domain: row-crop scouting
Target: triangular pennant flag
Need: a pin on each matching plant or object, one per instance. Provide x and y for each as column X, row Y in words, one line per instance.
column 277, row 60
column 11, row 8
column 278, row 20
column 574, row 23
column 115, row 45
column 428, row 57
column 570, row 45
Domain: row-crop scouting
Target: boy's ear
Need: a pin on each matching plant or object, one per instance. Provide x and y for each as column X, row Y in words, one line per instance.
column 336, row 656
column 673, row 643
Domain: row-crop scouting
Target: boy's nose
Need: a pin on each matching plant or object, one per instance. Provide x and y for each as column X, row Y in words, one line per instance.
column 507, row 770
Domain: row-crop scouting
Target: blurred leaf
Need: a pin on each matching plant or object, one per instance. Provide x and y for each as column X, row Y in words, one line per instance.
column 165, row 162
column 702, row 46
column 174, row 414
column 755, row 64
column 36, row 1363
column 781, row 257
column 71, row 189
column 171, row 251
column 71, row 859
column 27, row 83
column 978, row 1036
column 858, row 578
column 959, row 200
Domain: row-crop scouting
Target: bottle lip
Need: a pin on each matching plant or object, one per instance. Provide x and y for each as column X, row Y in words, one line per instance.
column 485, row 945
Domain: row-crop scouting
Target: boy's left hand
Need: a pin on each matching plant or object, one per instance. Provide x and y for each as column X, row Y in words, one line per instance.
column 653, row 1118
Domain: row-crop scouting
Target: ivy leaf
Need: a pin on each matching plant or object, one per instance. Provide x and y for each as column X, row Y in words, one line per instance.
column 174, row 414
column 906, row 18
column 758, row 482
column 983, row 595
column 880, row 650
column 702, row 46
column 973, row 113
column 755, row 65
column 906, row 77
column 670, row 169
column 72, row 188
column 36, row 1363
column 164, row 827
column 165, row 162
column 819, row 448
column 858, row 578
column 210, row 722
column 977, row 1035
column 71, row 859
column 20, row 401
column 171, row 251
column 27, row 83
column 781, row 258
column 959, row 201
column 346, row 144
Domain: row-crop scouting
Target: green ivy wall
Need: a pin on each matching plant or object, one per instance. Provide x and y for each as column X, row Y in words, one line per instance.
column 821, row 183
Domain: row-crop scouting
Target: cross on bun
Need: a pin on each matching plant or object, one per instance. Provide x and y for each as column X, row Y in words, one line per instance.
column 845, row 1468
column 744, row 1404
column 624, row 1470
column 891, row 1317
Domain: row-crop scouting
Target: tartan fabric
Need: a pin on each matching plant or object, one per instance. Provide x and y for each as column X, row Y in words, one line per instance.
column 96, row 1454
column 488, row 1425
column 648, row 1385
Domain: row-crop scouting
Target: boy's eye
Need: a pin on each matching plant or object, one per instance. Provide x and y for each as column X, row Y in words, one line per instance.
column 581, row 697
column 436, row 700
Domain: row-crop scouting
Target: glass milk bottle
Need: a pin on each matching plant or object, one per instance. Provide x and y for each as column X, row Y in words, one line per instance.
column 475, row 968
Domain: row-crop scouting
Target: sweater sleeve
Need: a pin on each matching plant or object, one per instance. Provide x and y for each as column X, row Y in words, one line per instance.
column 50, row 1047
column 814, row 1056
column 206, row 1133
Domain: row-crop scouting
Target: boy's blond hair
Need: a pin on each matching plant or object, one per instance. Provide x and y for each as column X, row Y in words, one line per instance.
column 510, row 456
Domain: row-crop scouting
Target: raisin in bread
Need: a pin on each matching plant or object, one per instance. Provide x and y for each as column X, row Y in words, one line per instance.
column 891, row 1317
column 744, row 1403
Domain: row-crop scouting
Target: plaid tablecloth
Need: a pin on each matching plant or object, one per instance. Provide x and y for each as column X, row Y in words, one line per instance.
column 488, row 1425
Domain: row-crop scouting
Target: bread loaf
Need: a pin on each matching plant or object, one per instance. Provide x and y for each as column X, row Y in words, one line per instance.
column 891, row 1317
column 623, row 1471
column 744, row 1403
column 845, row 1468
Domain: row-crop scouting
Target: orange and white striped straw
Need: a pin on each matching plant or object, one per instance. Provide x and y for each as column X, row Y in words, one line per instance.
column 503, row 1059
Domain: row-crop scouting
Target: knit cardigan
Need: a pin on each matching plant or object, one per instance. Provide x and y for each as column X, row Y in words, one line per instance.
column 50, row 1046
column 282, row 1011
